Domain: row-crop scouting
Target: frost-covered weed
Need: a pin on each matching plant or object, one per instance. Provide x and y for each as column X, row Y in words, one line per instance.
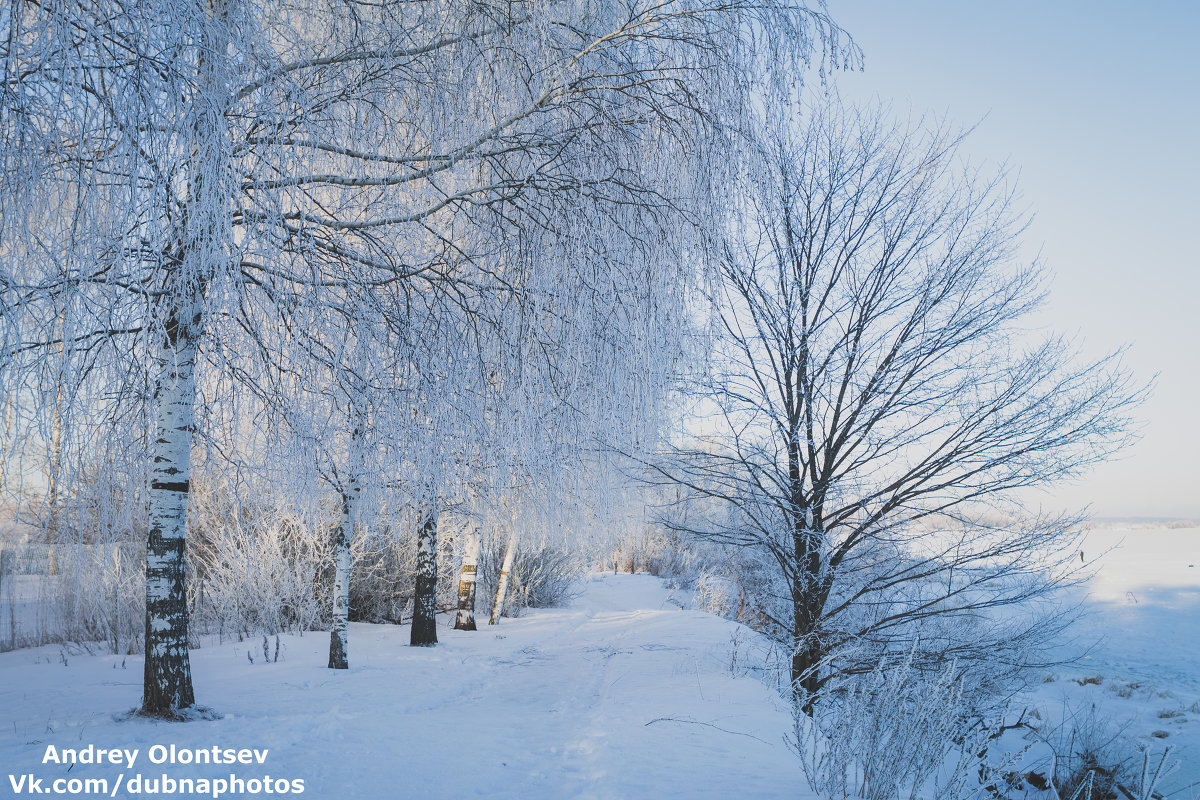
column 894, row 733
column 714, row 593
column 72, row 593
column 1095, row 758
column 256, row 568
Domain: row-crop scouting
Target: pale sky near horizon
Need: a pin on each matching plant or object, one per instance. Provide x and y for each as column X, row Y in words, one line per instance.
column 1097, row 105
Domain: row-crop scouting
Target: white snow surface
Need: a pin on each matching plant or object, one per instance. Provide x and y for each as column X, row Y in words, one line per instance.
column 1143, row 606
column 1139, row 674
column 621, row 695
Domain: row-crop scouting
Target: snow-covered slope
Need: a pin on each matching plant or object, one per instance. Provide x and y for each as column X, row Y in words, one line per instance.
column 622, row 695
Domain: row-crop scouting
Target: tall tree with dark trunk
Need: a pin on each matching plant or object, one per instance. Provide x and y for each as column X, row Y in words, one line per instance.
column 877, row 406
column 424, row 622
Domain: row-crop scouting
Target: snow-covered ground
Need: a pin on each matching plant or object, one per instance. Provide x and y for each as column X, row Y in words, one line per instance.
column 1140, row 680
column 621, row 695
column 1144, row 604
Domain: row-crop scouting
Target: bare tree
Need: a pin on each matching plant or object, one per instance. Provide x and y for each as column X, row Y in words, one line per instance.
column 874, row 406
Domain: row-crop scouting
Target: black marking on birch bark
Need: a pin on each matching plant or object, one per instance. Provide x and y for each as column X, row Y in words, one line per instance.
column 337, row 652
column 464, row 620
column 171, row 486
column 167, row 677
column 424, row 624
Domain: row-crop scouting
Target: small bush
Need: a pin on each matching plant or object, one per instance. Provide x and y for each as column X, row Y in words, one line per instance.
column 544, row 575
column 256, row 573
column 715, row 594
column 894, row 733
column 1095, row 759
column 72, row 593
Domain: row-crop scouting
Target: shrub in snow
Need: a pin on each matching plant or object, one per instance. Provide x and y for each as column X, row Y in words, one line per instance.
column 72, row 593
column 545, row 574
column 660, row 551
column 383, row 572
column 897, row 732
column 1095, row 759
column 103, row 595
column 715, row 594
column 256, row 567
column 382, row 577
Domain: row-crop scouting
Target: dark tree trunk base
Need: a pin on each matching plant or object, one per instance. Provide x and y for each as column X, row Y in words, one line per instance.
column 337, row 653
column 186, row 714
column 424, row 624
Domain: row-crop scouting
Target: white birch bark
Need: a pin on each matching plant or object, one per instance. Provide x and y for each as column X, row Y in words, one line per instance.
column 465, row 619
column 168, row 676
column 9, row 414
column 510, row 551
column 203, row 253
column 339, row 634
column 54, row 468
column 54, row 472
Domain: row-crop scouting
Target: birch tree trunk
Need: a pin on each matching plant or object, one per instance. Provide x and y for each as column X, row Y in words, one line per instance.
column 510, row 551
column 424, row 624
column 54, row 471
column 55, row 466
column 168, row 673
column 339, row 633
column 343, row 538
column 201, row 255
column 465, row 620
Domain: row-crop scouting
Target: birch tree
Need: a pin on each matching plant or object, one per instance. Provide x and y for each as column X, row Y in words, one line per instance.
column 464, row 618
column 236, row 160
column 343, row 537
column 510, row 552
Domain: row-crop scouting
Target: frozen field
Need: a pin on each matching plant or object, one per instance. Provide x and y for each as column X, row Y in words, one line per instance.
column 1145, row 606
column 621, row 695
column 1142, row 674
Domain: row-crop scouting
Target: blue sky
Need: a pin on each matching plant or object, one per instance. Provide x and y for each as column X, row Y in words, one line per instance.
column 1097, row 105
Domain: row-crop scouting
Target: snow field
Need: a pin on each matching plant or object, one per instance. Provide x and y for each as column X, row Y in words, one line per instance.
column 622, row 695
column 1138, row 683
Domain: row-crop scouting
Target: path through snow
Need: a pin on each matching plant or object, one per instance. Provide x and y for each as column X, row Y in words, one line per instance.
column 621, row 695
